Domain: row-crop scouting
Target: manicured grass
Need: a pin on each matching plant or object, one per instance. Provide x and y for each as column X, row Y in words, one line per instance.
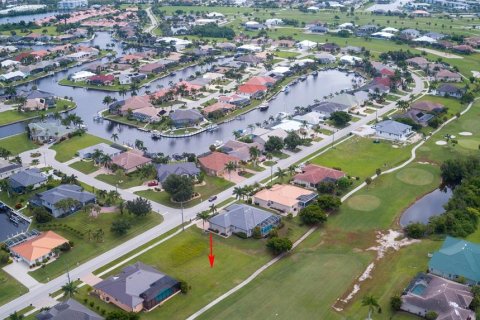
column 84, row 166
column 213, row 185
column 85, row 249
column 67, row 149
column 361, row 157
column 452, row 104
column 18, row 143
column 254, row 168
column 286, row 54
column 123, row 181
column 11, row 288
column 269, row 163
column 11, row 116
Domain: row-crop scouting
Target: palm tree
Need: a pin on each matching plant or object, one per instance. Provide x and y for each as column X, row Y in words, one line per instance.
column 5, row 186
column 107, row 100
column 213, row 208
column 402, row 104
column 69, row 288
column 291, row 169
column 370, row 302
column 280, row 174
column 114, row 137
column 237, row 192
column 139, row 144
column 122, row 92
column 204, row 216
column 254, row 153
column 96, row 155
column 229, row 167
column 15, row 316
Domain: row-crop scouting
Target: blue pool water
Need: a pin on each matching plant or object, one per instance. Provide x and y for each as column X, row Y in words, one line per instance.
column 418, row 289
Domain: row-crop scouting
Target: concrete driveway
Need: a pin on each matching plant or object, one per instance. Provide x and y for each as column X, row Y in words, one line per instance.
column 19, row 271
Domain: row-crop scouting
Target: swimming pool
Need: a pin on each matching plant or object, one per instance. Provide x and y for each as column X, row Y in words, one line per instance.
column 418, row 289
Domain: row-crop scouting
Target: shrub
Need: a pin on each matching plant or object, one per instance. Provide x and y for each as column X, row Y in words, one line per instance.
column 184, row 287
column 431, row 315
column 257, row 233
column 279, row 245
column 313, row 215
column 242, row 235
column 416, row 230
column 395, row 302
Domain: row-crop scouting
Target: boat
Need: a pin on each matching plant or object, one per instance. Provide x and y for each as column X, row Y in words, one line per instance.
column 173, row 74
column 156, row 134
column 294, row 82
column 282, row 115
column 212, row 127
column 263, row 107
column 97, row 117
column 315, row 73
column 303, row 78
column 286, row 89
column 218, row 143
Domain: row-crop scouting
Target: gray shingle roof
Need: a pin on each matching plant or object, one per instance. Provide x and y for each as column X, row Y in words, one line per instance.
column 184, row 168
column 329, row 107
column 393, row 127
column 71, row 310
column 66, row 191
column 241, row 216
column 6, row 166
column 182, row 115
column 136, row 283
column 26, row 178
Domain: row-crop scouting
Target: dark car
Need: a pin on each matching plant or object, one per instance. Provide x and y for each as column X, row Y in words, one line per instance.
column 212, row 198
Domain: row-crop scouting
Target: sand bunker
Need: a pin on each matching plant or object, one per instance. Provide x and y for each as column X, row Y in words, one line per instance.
column 441, row 143
column 465, row 133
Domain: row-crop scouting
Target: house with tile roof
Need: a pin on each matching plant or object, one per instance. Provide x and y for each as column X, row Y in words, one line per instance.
column 101, row 79
column 457, row 259
column 69, row 309
column 137, row 287
column 241, row 218
column 448, row 76
column 253, row 91
column 214, row 163
column 28, row 178
column 50, row 198
column 186, row 118
column 49, row 131
column 39, row 248
column 285, row 198
column 222, row 107
column 312, row 175
column 449, row 300
column 130, row 160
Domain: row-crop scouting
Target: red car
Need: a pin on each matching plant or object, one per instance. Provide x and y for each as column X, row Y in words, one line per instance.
column 153, row 184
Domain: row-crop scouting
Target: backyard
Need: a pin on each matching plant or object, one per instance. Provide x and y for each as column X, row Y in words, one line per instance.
column 11, row 116
column 18, row 143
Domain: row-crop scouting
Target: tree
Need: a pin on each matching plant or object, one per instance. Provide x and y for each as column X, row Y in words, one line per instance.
column 292, row 140
column 467, row 98
column 180, row 188
column 370, row 302
column 122, row 315
column 273, row 144
column 279, row 245
column 42, row 215
column 114, row 137
column 67, row 205
column 280, row 174
column 69, row 288
column 416, row 230
column 431, row 315
column 328, row 202
column 340, row 118
column 229, row 167
column 120, row 227
column 396, row 302
column 15, row 316
column 204, row 216
column 254, row 154
column 139, row 207
column 313, row 215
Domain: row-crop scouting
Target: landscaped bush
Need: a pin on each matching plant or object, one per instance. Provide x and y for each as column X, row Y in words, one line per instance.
column 279, row 245
column 242, row 235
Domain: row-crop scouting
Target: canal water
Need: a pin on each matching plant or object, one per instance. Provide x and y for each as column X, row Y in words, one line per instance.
column 89, row 103
column 428, row 206
column 27, row 18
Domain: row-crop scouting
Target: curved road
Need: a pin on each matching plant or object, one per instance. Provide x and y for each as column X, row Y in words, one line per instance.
column 172, row 217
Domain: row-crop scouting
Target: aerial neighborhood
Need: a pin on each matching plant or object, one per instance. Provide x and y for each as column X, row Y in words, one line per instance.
column 187, row 160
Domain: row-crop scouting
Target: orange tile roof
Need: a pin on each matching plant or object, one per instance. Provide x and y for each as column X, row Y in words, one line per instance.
column 216, row 161
column 251, row 88
column 316, row 174
column 130, row 160
column 40, row 246
column 283, row 194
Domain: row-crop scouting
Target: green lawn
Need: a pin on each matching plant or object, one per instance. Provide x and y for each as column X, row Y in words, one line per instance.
column 361, row 157
column 185, row 257
column 84, row 166
column 286, row 54
column 67, row 149
column 12, row 116
column 18, row 143
column 85, row 249
column 11, row 288
column 122, row 180
column 452, row 104
column 213, row 185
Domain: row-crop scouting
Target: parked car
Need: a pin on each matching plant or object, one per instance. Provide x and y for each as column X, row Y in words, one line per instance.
column 152, row 184
column 212, row 198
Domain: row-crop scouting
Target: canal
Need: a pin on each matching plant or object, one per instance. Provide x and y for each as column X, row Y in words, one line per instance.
column 89, row 103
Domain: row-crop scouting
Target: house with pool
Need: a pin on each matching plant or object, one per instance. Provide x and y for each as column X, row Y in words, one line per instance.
column 456, row 260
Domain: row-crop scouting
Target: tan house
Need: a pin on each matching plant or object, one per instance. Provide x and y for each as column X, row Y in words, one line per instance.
column 214, row 163
column 284, row 198
column 38, row 248
column 130, row 160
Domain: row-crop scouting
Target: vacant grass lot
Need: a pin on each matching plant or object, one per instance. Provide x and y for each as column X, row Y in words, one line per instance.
column 18, row 143
column 11, row 116
column 66, row 149
column 286, row 54
column 85, row 249
column 84, row 166
column 213, row 185
column 11, row 288
column 122, row 180
column 361, row 157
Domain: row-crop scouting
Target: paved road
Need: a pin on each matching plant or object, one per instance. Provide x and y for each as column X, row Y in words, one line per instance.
column 172, row 217
column 153, row 20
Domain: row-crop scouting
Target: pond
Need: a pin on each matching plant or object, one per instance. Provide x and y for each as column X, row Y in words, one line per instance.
column 428, row 206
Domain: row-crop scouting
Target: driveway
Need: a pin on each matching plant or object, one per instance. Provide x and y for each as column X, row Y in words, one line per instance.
column 19, row 271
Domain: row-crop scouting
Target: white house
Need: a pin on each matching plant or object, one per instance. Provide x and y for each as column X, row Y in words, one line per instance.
column 274, row 22
column 350, row 60
column 215, row 15
column 306, row 45
column 393, row 130
column 9, row 63
column 12, row 76
column 81, row 76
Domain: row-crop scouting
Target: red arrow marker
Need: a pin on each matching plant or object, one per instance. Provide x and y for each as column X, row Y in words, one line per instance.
column 211, row 257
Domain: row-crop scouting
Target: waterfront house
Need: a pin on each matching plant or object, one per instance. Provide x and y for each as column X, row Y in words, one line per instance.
column 252, row 91
column 28, row 178
column 50, row 198
column 312, row 175
column 38, row 100
column 8, row 168
column 152, row 68
column 325, row 58
column 393, row 130
column 457, row 259
column 147, row 114
column 448, row 299
column 47, row 132
column 130, row 160
column 243, row 219
column 124, row 107
column 137, row 287
column 214, row 163
column 222, row 107
column 69, row 309
column 262, row 81
column 130, row 78
column 284, row 198
column 326, row 108
column 101, row 80
column 104, row 148
column 13, row 76
column 235, row 99
column 39, row 248
column 81, row 76
column 185, row 118
column 188, row 169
